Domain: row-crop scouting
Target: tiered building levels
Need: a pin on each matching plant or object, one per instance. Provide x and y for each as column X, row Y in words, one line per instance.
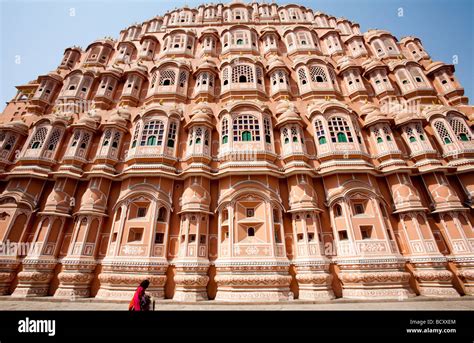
column 240, row 152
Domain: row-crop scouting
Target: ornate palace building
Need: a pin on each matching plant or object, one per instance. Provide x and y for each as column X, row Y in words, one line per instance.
column 240, row 152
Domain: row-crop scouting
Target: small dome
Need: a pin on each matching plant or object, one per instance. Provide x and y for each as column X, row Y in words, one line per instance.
column 195, row 197
column 371, row 63
column 371, row 113
column 93, row 199
column 120, row 116
column 287, row 112
column 58, row 201
column 207, row 64
column 17, row 125
column 275, row 62
column 115, row 69
column 346, row 62
column 201, row 113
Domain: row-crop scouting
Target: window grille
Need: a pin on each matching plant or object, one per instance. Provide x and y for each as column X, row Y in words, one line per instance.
column 246, row 128
column 339, row 130
column 152, row 133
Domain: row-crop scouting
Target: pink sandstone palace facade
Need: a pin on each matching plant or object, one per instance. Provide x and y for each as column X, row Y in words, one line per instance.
column 240, row 152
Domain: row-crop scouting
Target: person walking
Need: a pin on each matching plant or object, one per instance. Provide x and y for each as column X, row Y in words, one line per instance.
column 140, row 300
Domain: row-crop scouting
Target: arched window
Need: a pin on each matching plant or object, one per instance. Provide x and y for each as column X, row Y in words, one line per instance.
column 320, row 134
column 460, row 129
column 172, row 135
column 337, row 209
column 246, row 128
column 443, row 132
column 135, row 135
column 339, row 130
column 161, row 214
column 267, row 127
column 341, row 137
column 225, row 131
column 250, row 232
column 38, row 139
column 155, row 129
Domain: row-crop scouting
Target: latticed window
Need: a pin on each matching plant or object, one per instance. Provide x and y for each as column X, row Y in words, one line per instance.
column 279, row 77
column 135, row 135
column 333, row 78
column 54, row 139
column 320, row 133
column 225, row 76
column 415, row 72
column 10, row 142
column 242, row 74
column 460, row 129
column 225, row 131
column 285, row 136
column 240, row 38
column 339, row 130
column 152, row 133
column 177, row 42
column 75, row 139
column 85, row 140
column 410, row 134
column 259, row 75
column 206, row 138
column 182, row 78
column 246, row 128
column 317, row 74
column 267, row 127
column 303, row 38
column 443, row 132
column 376, row 133
column 295, row 132
column 205, row 79
column 107, row 135
column 172, row 135
column 116, row 140
column 153, row 78
column 420, row 131
column 198, row 137
column 302, row 76
column 387, row 133
column 167, row 77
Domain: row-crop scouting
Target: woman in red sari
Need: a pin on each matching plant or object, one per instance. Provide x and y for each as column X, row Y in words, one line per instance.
column 140, row 301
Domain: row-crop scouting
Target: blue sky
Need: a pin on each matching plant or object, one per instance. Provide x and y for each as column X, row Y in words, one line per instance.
column 35, row 33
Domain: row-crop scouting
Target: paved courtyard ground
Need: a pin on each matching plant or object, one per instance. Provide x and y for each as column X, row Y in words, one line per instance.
column 419, row 303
